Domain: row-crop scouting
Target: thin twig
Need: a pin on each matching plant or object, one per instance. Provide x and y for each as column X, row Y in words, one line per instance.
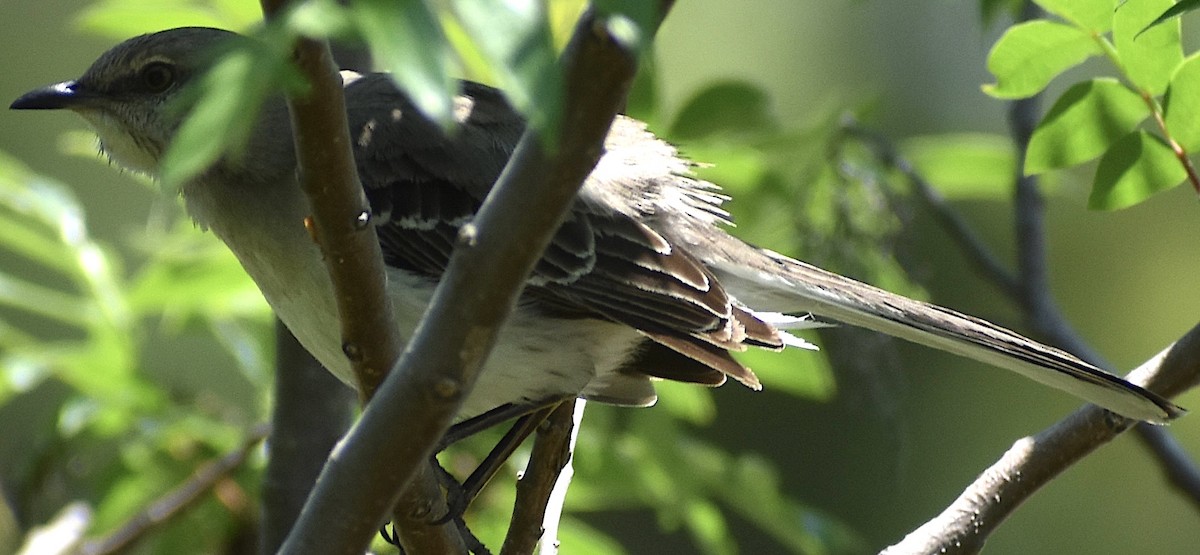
column 552, row 519
column 177, row 501
column 492, row 259
column 971, row 244
column 1176, row 464
column 1032, row 462
column 551, row 451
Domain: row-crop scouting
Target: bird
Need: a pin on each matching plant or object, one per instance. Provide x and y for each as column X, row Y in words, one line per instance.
column 641, row 282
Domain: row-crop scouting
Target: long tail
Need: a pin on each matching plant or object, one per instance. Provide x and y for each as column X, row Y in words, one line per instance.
column 766, row 280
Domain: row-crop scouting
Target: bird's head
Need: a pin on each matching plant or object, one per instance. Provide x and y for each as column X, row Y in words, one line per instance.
column 128, row 94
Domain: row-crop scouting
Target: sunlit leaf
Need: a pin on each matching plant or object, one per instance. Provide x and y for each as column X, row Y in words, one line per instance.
column 406, row 39
column 1136, row 167
column 798, row 372
column 581, row 539
column 194, row 276
column 1183, row 104
column 563, row 14
column 964, row 165
column 686, row 401
column 1083, row 123
column 737, row 167
column 516, row 38
column 728, row 109
column 1180, row 8
column 1029, row 55
column 1093, row 15
column 708, row 526
column 121, row 19
column 43, row 301
column 229, row 97
column 1148, row 58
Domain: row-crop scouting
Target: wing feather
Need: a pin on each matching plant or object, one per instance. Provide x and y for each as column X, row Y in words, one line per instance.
column 424, row 183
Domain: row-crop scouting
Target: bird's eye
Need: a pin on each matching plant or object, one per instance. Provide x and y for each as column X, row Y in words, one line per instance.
column 157, row 76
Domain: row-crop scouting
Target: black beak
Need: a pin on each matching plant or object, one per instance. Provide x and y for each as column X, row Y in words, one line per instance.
column 54, row 97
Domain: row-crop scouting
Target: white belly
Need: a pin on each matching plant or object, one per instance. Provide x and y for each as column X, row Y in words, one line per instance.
column 531, row 361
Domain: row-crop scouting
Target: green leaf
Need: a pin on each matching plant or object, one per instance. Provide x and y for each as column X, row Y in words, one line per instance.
column 725, row 109
column 1093, row 15
column 1149, row 58
column 1029, row 55
column 708, row 527
column 516, row 38
column 563, row 16
column 1175, row 11
column 226, row 100
column 197, row 277
column 751, row 487
column 44, row 301
column 1182, row 104
column 406, row 39
column 1083, row 123
column 964, row 165
column 1136, row 167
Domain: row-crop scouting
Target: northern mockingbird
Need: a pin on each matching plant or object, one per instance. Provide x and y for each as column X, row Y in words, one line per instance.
column 641, row 280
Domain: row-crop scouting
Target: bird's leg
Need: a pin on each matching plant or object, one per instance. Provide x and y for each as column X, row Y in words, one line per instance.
column 529, row 417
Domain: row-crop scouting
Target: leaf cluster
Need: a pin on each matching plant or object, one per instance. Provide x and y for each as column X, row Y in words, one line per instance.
column 1139, row 121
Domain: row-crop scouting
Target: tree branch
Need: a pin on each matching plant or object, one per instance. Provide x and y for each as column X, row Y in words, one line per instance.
column 340, row 218
column 176, row 501
column 311, row 411
column 1031, row 462
column 500, row 246
column 969, row 242
column 551, row 451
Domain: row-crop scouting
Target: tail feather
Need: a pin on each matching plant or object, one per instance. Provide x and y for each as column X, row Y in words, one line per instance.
column 768, row 280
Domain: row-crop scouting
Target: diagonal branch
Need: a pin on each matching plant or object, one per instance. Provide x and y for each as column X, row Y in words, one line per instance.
column 493, row 256
column 551, row 452
column 178, row 500
column 959, row 231
column 1032, row 462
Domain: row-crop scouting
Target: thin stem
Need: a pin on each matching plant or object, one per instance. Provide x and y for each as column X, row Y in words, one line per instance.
column 174, row 503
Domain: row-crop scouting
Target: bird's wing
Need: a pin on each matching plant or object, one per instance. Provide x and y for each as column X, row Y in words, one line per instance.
column 423, row 184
